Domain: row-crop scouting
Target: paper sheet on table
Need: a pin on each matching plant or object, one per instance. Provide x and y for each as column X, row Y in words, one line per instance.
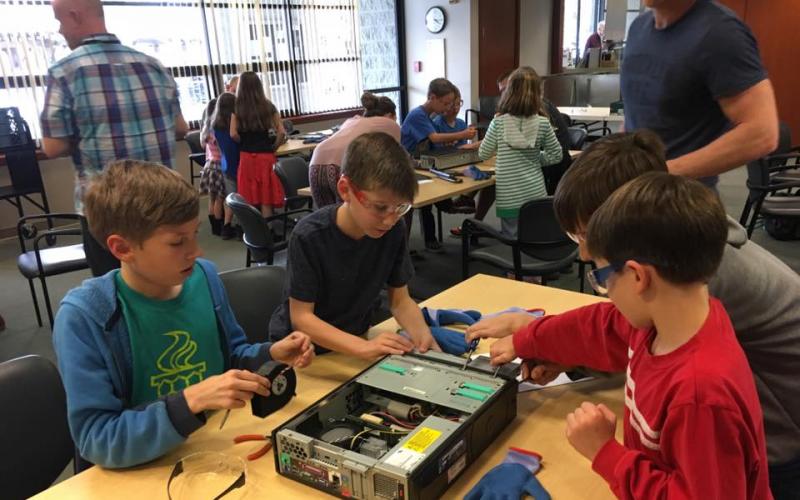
column 562, row 379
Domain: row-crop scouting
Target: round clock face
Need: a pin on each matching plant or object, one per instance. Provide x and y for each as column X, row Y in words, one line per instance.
column 434, row 19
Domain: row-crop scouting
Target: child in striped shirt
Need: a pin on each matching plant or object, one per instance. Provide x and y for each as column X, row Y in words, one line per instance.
column 524, row 142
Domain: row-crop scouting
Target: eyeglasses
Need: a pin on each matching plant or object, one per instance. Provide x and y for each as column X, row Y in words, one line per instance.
column 379, row 209
column 578, row 238
column 598, row 278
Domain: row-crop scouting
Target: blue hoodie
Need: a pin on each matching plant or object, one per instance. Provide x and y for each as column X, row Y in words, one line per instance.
column 94, row 357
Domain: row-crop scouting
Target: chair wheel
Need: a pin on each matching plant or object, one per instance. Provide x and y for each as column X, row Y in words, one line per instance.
column 29, row 231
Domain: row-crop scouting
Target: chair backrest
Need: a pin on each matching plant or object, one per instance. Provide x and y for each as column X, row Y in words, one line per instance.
column 288, row 127
column 35, row 443
column 577, row 137
column 257, row 234
column 100, row 260
column 193, row 140
column 293, row 174
column 539, row 233
column 758, row 171
column 254, row 294
column 23, row 169
column 487, row 106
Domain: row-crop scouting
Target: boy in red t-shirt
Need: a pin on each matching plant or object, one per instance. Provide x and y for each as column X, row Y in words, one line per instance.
column 693, row 424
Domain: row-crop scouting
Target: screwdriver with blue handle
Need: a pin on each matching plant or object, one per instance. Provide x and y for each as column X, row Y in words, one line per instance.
column 472, row 347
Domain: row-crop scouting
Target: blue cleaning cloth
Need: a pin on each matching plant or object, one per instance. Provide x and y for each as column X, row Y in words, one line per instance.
column 476, row 173
column 536, row 313
column 507, row 482
column 451, row 341
column 440, row 317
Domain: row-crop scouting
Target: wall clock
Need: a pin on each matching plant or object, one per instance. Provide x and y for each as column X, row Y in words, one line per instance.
column 435, row 19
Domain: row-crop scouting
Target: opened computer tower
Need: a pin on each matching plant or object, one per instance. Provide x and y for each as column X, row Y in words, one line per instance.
column 404, row 429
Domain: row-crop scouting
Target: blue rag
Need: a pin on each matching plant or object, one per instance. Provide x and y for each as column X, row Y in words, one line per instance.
column 506, row 482
column 476, row 173
column 440, row 317
column 451, row 341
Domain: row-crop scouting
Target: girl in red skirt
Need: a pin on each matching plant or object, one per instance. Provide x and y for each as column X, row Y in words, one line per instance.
column 257, row 126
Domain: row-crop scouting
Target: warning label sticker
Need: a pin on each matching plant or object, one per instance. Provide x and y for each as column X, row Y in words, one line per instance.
column 405, row 459
column 422, row 439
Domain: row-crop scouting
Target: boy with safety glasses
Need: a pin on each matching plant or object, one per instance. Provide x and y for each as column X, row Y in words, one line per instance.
column 341, row 256
column 693, row 426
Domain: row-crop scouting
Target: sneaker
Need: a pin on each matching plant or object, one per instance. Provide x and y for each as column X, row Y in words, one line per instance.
column 434, row 246
column 228, row 232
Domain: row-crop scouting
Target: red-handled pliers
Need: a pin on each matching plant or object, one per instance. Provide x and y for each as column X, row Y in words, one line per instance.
column 255, row 437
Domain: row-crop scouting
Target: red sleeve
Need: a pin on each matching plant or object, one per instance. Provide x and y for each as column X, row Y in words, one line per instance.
column 594, row 336
column 707, row 453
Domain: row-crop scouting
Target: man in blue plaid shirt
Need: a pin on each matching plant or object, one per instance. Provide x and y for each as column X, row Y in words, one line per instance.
column 106, row 101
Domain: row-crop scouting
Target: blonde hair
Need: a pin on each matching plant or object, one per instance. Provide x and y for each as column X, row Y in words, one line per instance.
column 523, row 95
column 133, row 198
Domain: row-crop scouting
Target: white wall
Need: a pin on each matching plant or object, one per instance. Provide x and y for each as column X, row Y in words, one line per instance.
column 461, row 48
column 535, row 18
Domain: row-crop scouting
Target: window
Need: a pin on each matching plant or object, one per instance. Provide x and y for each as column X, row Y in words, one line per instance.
column 314, row 56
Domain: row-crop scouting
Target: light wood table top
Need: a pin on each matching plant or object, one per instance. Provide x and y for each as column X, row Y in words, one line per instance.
column 539, row 425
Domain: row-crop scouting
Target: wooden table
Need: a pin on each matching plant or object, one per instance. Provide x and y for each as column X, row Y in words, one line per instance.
column 292, row 145
column 539, row 425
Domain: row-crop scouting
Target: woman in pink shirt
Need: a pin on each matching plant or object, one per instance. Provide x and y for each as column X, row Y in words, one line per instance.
column 323, row 174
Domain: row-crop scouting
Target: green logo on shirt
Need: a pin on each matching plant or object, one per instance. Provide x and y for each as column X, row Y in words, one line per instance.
column 176, row 366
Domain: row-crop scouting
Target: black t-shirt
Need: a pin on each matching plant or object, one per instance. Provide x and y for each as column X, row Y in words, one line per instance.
column 340, row 275
column 259, row 141
column 672, row 78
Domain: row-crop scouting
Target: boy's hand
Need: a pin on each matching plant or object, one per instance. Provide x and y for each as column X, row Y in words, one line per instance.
column 541, row 372
column 590, row 427
column 425, row 342
column 502, row 351
column 230, row 390
column 295, row 350
column 468, row 132
column 384, row 343
column 497, row 327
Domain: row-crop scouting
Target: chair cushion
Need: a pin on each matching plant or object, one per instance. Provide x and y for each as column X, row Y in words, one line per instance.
column 56, row 260
column 781, row 205
column 501, row 256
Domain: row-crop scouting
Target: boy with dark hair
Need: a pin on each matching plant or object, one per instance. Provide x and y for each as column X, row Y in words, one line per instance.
column 145, row 350
column 693, row 425
column 341, row 256
column 760, row 293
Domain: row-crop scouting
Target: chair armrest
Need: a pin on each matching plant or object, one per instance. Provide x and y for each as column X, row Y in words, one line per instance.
column 54, row 232
column 199, row 158
column 297, row 197
column 773, row 187
column 469, row 225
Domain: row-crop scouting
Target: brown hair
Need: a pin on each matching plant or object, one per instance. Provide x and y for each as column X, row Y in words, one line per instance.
column 254, row 112
column 208, row 113
column 440, row 87
column 377, row 161
column 221, row 120
column 602, row 168
column 133, row 198
column 673, row 223
column 523, row 95
column 377, row 105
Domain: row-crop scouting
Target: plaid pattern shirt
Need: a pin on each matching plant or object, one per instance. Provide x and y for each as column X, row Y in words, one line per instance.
column 112, row 102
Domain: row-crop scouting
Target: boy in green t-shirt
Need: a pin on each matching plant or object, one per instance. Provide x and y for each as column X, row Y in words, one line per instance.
column 145, row 350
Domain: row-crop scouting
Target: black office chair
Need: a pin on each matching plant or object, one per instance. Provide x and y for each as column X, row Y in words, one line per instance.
column 197, row 155
column 481, row 118
column 35, row 444
column 293, row 174
column 540, row 249
column 577, row 138
column 254, row 294
column 770, row 181
column 23, row 167
column 100, row 260
column 39, row 263
column 258, row 235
